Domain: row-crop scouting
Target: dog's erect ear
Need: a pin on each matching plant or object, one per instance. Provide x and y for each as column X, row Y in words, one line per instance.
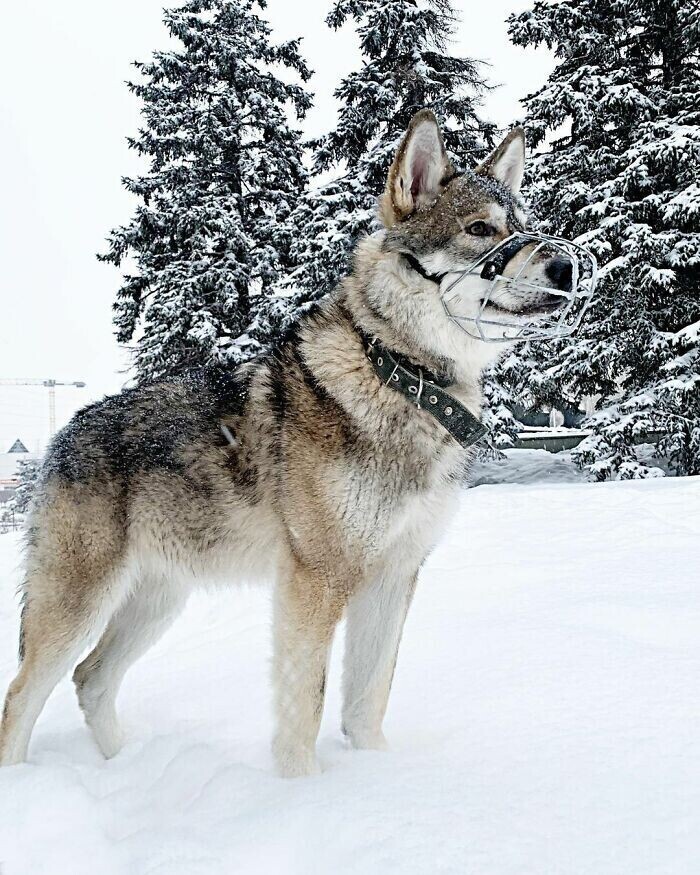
column 507, row 162
column 420, row 165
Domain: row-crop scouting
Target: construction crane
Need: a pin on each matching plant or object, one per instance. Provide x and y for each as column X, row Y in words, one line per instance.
column 51, row 386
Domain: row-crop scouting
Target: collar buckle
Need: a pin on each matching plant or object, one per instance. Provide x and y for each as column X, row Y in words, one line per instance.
column 420, row 387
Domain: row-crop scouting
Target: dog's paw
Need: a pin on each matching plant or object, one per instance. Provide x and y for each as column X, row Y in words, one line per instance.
column 101, row 717
column 295, row 762
column 11, row 756
column 363, row 739
column 108, row 735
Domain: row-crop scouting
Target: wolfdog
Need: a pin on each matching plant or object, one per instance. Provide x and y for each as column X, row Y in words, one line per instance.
column 329, row 464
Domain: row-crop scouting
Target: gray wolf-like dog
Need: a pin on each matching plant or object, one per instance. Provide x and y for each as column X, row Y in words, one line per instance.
column 303, row 467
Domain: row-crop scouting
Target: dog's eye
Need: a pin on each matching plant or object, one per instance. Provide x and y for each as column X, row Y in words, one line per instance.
column 479, row 229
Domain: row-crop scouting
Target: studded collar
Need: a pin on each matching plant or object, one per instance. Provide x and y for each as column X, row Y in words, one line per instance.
column 424, row 389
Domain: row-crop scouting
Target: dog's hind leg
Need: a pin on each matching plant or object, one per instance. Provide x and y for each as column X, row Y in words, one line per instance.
column 308, row 605
column 375, row 619
column 58, row 620
column 150, row 609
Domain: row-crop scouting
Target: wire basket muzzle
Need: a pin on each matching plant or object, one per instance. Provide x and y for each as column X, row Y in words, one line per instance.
column 497, row 299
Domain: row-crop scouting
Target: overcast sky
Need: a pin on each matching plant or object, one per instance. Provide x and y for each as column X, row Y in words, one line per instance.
column 65, row 115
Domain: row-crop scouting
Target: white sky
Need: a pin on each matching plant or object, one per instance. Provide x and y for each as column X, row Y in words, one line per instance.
column 65, row 114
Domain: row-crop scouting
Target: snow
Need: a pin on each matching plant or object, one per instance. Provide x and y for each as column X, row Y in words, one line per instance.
column 544, row 717
column 533, row 432
column 526, row 466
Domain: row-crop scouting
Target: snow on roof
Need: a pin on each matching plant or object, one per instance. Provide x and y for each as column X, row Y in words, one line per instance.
column 8, row 461
column 18, row 447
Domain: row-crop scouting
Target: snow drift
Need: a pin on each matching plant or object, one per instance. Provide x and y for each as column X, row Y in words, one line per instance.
column 545, row 717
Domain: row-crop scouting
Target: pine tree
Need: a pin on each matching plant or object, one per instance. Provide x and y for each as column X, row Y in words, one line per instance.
column 209, row 236
column 406, row 66
column 623, row 179
column 27, row 474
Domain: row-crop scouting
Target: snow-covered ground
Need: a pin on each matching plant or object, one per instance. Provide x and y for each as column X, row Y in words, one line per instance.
column 527, row 466
column 545, row 717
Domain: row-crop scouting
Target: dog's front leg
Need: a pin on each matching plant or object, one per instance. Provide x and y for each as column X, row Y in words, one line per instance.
column 308, row 606
column 375, row 619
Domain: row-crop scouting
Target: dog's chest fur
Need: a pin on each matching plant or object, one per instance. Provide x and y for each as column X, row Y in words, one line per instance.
column 356, row 471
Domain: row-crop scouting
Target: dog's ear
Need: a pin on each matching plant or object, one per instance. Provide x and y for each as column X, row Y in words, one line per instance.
column 420, row 165
column 507, row 162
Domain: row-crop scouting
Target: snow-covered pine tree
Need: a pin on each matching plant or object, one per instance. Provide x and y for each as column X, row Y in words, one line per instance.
column 27, row 475
column 405, row 66
column 623, row 179
column 225, row 170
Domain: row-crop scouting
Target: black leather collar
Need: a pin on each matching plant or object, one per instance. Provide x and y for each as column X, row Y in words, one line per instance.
column 424, row 389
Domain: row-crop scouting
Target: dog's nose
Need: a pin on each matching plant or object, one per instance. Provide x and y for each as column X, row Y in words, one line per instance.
column 558, row 270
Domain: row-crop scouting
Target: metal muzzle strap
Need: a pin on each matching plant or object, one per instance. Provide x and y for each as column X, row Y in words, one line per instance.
column 496, row 264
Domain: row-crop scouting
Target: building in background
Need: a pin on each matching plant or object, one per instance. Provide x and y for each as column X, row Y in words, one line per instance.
column 9, row 461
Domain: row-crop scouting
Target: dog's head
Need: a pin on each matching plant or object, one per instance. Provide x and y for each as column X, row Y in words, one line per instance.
column 450, row 220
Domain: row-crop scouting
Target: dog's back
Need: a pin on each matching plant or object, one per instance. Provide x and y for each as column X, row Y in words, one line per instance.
column 127, row 465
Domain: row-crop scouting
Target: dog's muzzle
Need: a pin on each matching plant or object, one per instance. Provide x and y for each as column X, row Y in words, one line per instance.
column 519, row 307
